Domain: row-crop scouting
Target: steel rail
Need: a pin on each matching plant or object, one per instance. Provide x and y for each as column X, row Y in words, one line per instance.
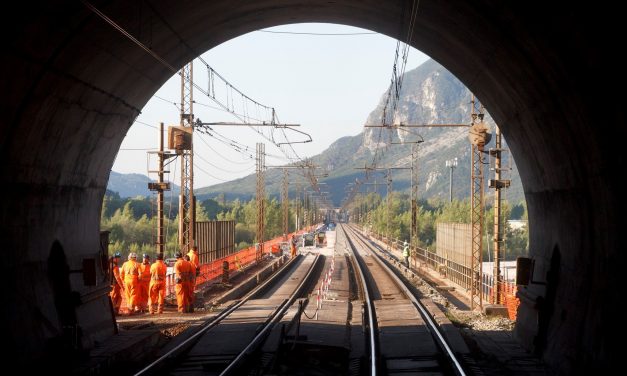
column 278, row 314
column 152, row 367
column 369, row 306
column 431, row 324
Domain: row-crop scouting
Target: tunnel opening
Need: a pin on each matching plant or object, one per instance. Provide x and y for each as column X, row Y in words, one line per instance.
column 143, row 131
column 76, row 86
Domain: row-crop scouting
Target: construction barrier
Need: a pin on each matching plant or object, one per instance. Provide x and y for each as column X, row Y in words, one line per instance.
column 511, row 301
column 213, row 270
column 323, row 289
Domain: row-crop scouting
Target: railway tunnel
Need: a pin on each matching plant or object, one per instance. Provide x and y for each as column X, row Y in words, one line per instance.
column 73, row 85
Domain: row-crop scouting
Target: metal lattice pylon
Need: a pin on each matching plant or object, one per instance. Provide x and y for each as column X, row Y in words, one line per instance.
column 477, row 226
column 261, row 193
column 413, row 239
column 286, row 203
column 478, row 138
column 186, row 202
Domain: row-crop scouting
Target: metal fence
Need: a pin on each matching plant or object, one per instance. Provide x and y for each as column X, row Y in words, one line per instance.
column 454, row 242
column 215, row 240
column 459, row 274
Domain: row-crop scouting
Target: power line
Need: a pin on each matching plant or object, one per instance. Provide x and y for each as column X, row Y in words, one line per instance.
column 146, row 124
column 223, row 110
column 221, row 169
column 220, row 154
column 211, row 72
column 167, row 101
column 396, row 83
column 208, row 174
column 240, row 148
column 316, row 34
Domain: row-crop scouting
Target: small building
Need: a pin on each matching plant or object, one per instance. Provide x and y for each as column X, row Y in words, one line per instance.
column 516, row 224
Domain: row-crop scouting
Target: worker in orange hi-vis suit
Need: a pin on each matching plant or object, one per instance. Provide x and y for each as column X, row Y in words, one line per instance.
column 130, row 274
column 191, row 284
column 193, row 258
column 144, row 283
column 182, row 271
column 293, row 247
column 158, row 271
column 195, row 261
column 117, row 284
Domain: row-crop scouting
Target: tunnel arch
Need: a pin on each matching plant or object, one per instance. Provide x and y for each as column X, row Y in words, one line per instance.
column 74, row 85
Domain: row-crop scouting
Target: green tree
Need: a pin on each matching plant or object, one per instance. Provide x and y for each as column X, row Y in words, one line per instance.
column 455, row 212
column 516, row 243
column 211, row 208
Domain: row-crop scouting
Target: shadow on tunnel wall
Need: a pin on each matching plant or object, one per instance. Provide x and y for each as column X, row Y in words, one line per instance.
column 68, row 340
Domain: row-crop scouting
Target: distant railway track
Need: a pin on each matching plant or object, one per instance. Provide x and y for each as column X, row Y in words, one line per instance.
column 226, row 342
column 402, row 335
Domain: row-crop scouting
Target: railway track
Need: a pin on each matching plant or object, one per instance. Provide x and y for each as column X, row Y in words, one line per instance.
column 226, row 343
column 402, row 335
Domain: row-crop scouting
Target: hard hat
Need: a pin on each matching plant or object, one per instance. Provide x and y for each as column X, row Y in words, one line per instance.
column 133, row 255
column 146, row 256
column 405, row 242
column 117, row 255
column 178, row 254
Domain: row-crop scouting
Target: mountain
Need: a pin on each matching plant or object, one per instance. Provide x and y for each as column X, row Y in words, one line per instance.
column 132, row 185
column 430, row 95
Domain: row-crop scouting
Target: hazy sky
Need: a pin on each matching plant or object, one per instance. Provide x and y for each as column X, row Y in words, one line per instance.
column 328, row 84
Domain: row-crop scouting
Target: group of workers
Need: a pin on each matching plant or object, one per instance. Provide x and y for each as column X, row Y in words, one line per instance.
column 145, row 284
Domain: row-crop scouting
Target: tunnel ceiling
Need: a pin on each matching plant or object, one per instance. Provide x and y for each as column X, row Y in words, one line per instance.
column 73, row 86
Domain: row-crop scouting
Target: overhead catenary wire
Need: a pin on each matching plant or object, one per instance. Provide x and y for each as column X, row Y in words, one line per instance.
column 247, row 157
column 223, row 170
column 168, row 101
column 223, row 110
column 213, row 74
column 210, row 91
column 208, row 174
column 317, row 34
column 391, row 102
column 146, row 124
column 398, row 75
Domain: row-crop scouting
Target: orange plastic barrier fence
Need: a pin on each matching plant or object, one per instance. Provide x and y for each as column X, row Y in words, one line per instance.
column 511, row 301
column 508, row 298
column 213, row 270
column 237, row 261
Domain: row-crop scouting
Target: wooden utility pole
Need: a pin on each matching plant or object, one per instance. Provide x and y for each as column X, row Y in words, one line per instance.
column 497, row 183
column 160, row 237
column 160, row 187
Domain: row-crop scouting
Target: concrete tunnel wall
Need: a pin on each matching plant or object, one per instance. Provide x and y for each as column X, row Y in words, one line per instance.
column 72, row 86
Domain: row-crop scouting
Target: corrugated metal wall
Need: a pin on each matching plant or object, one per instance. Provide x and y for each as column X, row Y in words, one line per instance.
column 215, row 239
column 454, row 242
